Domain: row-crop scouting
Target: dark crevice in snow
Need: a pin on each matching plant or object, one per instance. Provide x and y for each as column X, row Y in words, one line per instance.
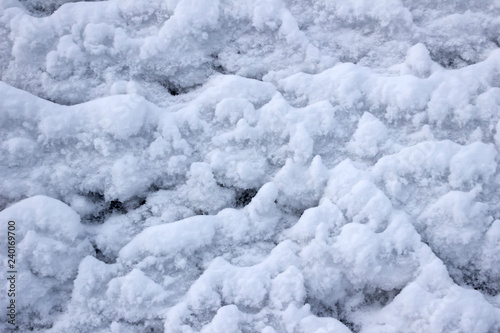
column 380, row 297
column 145, row 326
column 200, row 212
column 104, row 208
column 102, row 257
column 322, row 310
column 217, row 66
column 450, row 60
column 116, row 206
column 245, row 196
column 472, row 277
column 41, row 8
column 377, row 298
column 172, row 89
column 291, row 210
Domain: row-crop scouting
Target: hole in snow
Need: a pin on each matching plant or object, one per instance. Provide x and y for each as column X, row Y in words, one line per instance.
column 322, row 310
column 103, row 208
column 475, row 278
column 100, row 256
column 47, row 7
column 244, row 197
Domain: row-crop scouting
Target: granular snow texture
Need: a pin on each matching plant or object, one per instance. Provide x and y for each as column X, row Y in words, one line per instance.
column 251, row 165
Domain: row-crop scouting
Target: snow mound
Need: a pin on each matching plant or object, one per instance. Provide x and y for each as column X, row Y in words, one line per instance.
column 50, row 243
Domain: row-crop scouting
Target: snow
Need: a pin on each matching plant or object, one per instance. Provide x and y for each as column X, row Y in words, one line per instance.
column 252, row 166
column 50, row 243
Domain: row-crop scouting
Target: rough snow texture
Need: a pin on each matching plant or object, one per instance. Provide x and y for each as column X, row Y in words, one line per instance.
column 252, row 166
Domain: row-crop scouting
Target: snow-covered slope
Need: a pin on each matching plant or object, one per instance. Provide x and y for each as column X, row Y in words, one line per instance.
column 252, row 166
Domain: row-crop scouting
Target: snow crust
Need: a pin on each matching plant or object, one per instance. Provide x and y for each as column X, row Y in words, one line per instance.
column 252, row 166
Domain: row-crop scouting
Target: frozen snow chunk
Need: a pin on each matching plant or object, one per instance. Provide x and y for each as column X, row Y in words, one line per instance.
column 83, row 205
column 233, row 86
column 336, row 266
column 193, row 22
column 420, row 163
column 171, row 134
column 453, row 96
column 266, row 14
column 389, row 14
column 135, row 296
column 90, row 284
column 226, row 320
column 256, row 221
column 50, row 245
column 230, row 110
column 245, row 168
column 454, row 227
column 202, row 191
column 342, row 178
column 424, row 134
column 475, row 162
column 247, row 288
column 19, row 148
column 366, row 203
column 262, row 211
column 243, row 134
column 432, row 303
column 235, row 226
column 48, row 257
column 318, row 119
column 430, row 162
column 120, row 116
column 487, row 104
column 301, row 144
column 180, row 238
column 127, row 179
column 325, row 282
column 98, row 38
column 401, row 95
column 114, row 234
column 68, row 55
column 326, row 214
column 287, row 287
column 46, row 216
column 369, row 136
column 159, row 148
column 476, row 135
column 419, row 61
column 376, row 260
column 118, row 88
column 347, row 92
column 302, row 187
column 222, row 283
column 49, row 235
column 272, row 117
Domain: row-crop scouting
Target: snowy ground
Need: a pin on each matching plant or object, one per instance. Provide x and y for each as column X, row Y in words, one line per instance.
column 251, row 165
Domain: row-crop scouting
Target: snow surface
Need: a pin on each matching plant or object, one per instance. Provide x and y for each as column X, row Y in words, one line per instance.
column 252, row 166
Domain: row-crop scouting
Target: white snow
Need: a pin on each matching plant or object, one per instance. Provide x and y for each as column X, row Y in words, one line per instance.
column 251, row 166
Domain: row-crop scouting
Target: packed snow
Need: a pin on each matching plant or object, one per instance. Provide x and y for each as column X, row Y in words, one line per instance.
column 251, row 166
